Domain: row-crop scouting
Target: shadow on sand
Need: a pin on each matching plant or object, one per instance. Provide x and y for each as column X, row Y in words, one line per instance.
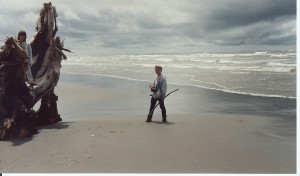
column 163, row 123
column 21, row 141
column 59, row 125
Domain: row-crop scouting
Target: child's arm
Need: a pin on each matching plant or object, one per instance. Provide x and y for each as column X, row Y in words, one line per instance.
column 164, row 87
column 29, row 53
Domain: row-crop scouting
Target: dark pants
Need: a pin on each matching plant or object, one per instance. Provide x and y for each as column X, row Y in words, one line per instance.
column 162, row 107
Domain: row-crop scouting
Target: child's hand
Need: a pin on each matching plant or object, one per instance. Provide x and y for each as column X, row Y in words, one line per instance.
column 152, row 88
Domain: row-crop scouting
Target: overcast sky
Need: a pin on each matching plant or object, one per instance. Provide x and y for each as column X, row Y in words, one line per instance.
column 160, row 26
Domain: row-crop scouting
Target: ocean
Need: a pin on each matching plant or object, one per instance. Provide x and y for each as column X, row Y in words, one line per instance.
column 265, row 74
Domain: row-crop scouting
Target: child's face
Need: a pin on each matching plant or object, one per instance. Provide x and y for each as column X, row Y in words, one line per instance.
column 22, row 38
column 157, row 70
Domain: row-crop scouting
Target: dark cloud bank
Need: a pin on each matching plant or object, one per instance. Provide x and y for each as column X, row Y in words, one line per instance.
column 163, row 26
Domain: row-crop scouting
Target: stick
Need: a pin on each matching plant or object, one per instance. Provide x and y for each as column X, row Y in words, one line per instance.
column 164, row 98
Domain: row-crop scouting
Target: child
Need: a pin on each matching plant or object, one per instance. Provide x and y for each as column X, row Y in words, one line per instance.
column 159, row 89
column 22, row 40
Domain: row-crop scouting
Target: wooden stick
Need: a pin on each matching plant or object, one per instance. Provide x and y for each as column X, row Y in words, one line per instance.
column 164, row 98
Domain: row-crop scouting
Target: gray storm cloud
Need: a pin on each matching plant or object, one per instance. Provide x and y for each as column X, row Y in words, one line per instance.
column 171, row 24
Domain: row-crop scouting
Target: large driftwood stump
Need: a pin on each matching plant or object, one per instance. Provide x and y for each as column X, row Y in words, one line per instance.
column 17, row 119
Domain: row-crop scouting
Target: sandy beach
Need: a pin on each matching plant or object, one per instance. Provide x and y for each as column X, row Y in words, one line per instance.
column 104, row 131
column 234, row 64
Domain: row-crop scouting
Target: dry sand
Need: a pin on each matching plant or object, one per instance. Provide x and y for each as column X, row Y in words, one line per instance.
column 189, row 143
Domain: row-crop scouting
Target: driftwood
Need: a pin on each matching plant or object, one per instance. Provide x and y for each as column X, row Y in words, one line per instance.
column 17, row 119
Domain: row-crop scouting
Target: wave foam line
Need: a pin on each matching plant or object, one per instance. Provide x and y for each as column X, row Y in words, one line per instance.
column 234, row 92
column 180, row 84
column 104, row 75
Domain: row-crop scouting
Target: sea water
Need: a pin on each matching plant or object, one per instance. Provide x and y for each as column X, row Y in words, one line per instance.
column 269, row 73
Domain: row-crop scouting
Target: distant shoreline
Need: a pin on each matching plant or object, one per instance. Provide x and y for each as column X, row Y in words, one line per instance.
column 265, row 74
column 179, row 84
column 188, row 99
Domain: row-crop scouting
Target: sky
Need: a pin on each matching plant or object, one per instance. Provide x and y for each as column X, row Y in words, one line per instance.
column 160, row 26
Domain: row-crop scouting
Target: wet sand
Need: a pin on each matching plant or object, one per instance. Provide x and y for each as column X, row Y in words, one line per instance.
column 104, row 131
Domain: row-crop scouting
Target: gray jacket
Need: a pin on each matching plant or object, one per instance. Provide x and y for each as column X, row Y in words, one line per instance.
column 161, row 87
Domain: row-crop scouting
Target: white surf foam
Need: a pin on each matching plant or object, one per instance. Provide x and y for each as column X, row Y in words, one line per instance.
column 180, row 84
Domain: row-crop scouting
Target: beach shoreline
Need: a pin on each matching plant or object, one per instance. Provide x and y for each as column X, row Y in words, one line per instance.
column 104, row 131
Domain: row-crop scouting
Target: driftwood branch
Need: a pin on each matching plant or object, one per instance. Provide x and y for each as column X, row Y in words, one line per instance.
column 164, row 98
column 17, row 119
